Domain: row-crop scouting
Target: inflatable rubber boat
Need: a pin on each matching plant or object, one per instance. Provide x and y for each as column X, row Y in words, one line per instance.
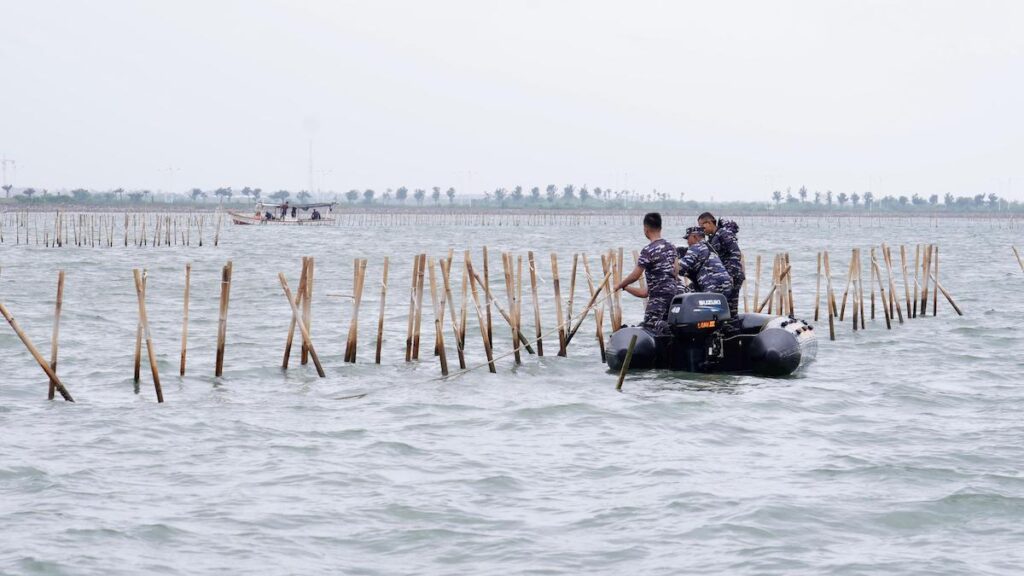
column 700, row 335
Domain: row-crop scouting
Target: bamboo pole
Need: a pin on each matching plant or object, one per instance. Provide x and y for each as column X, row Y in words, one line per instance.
column 948, row 297
column 56, row 331
column 881, row 290
column 894, row 302
column 438, row 315
column 307, row 307
column 830, row 298
column 506, row 265
column 446, row 267
column 536, row 302
column 483, row 323
column 789, row 288
column 412, row 309
column 917, row 270
column 184, row 319
column 225, row 297
column 935, row 295
column 357, row 292
column 291, row 326
column 926, row 265
column 775, row 286
column 860, row 288
column 625, row 363
column 380, row 317
column 849, row 281
column 906, row 284
column 1015, row 253
column 487, row 295
column 572, row 288
column 599, row 313
column 757, row 281
column 138, row 338
column 590, row 304
column 298, row 320
column 420, row 278
column 558, row 304
column 871, row 283
column 140, row 290
column 35, row 354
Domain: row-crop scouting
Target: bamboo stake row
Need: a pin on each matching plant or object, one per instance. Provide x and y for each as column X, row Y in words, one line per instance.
column 63, row 229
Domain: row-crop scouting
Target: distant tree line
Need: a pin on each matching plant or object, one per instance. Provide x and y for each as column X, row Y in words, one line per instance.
column 868, row 202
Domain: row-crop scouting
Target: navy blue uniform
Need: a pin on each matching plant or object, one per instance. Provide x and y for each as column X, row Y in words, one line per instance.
column 724, row 242
column 703, row 267
column 658, row 260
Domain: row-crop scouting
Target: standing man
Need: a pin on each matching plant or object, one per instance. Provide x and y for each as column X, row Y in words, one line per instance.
column 658, row 263
column 702, row 266
column 721, row 235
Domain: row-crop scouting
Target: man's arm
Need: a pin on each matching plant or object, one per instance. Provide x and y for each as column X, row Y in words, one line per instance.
column 635, row 291
column 633, row 277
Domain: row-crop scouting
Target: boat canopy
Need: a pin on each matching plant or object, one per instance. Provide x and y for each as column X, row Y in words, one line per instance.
column 328, row 205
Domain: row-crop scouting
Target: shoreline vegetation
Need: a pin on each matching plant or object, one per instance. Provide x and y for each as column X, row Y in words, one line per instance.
column 567, row 199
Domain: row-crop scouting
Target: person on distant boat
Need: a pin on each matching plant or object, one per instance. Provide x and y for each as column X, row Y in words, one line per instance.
column 294, row 210
column 702, row 265
column 721, row 235
column 268, row 216
column 284, row 210
column 658, row 265
column 315, row 215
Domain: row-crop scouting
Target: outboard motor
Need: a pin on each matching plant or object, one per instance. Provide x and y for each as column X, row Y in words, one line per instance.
column 695, row 319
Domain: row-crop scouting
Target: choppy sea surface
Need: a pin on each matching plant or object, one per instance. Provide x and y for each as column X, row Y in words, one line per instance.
column 895, row 452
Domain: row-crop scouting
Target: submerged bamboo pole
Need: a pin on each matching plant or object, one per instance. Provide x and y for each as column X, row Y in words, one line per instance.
column 138, row 337
column 830, row 298
column 56, row 331
column 380, row 317
column 420, row 278
column 479, row 314
column 184, row 318
column 935, row 295
column 446, row 268
column 140, row 290
column 35, row 354
column 775, row 286
column 412, row 309
column 307, row 308
column 1015, row 253
column 906, row 283
column 625, row 363
column 438, row 320
column 506, row 265
column 948, row 297
column 357, row 292
column 298, row 320
column 222, row 323
column 300, row 293
column 599, row 313
column 536, row 302
column 558, row 304
column 881, row 289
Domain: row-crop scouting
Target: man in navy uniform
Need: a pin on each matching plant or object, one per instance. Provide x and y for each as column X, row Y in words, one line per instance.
column 721, row 236
column 658, row 265
column 702, row 266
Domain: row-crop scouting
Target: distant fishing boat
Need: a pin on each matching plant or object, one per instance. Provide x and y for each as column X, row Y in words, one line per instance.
column 286, row 214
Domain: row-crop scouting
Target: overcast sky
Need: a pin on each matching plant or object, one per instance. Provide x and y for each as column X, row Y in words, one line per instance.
column 715, row 99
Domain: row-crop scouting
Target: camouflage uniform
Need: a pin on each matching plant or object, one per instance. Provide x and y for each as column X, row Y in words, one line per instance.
column 703, row 267
column 723, row 242
column 658, row 260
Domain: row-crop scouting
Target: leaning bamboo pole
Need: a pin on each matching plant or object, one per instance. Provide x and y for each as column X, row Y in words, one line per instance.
column 536, row 302
column 446, row 268
column 830, row 298
column 357, row 292
column 380, row 317
column 298, row 320
column 412, row 309
column 877, row 275
column 599, row 312
column 438, row 322
column 35, row 354
column 140, row 290
column 300, row 293
column 1017, row 255
column 935, row 295
column 558, row 304
column 476, row 302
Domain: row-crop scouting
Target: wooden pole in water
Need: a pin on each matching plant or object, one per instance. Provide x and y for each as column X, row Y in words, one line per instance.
column 757, row 281
column 56, row 331
column 572, row 288
column 506, row 264
column 871, row 283
column 855, row 271
column 446, row 268
column 184, row 319
column 35, row 354
column 948, row 297
column 599, row 313
column 558, row 304
column 1017, row 255
column 380, row 317
column 140, row 290
column 536, row 302
column 298, row 320
column 138, row 338
column 487, row 295
column 881, row 290
column 894, row 302
column 926, row 265
column 412, row 309
column 860, row 288
column 590, row 304
column 307, row 307
column 225, row 297
column 479, row 314
column 935, row 295
column 917, row 270
column 849, row 281
column 438, row 314
column 357, row 293
column 420, row 279
column 789, row 289
column 291, row 326
column 625, row 363
column 906, row 282
column 775, row 286
column 830, row 298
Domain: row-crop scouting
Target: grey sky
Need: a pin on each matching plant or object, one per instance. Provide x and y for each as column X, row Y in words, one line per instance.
column 723, row 99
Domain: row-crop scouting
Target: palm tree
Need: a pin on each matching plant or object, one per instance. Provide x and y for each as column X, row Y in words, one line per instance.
column 401, row 194
column 450, row 193
column 584, row 195
column 223, row 193
column 948, row 199
column 535, row 194
column 869, row 199
column 817, row 197
column 303, row 196
column 551, row 191
column 803, row 193
column 993, row 200
column 368, row 196
column 855, row 198
column 777, row 197
column 387, row 196
column 7, row 189
column 29, row 192
column 517, row 194
column 419, row 195
column 247, row 192
column 256, row 193
column 569, row 192
column 933, row 200
column 280, row 195
column 828, row 198
column 196, row 193
column 499, row 195
column 352, row 196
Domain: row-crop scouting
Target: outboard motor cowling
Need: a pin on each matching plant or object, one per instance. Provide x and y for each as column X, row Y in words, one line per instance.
column 697, row 312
